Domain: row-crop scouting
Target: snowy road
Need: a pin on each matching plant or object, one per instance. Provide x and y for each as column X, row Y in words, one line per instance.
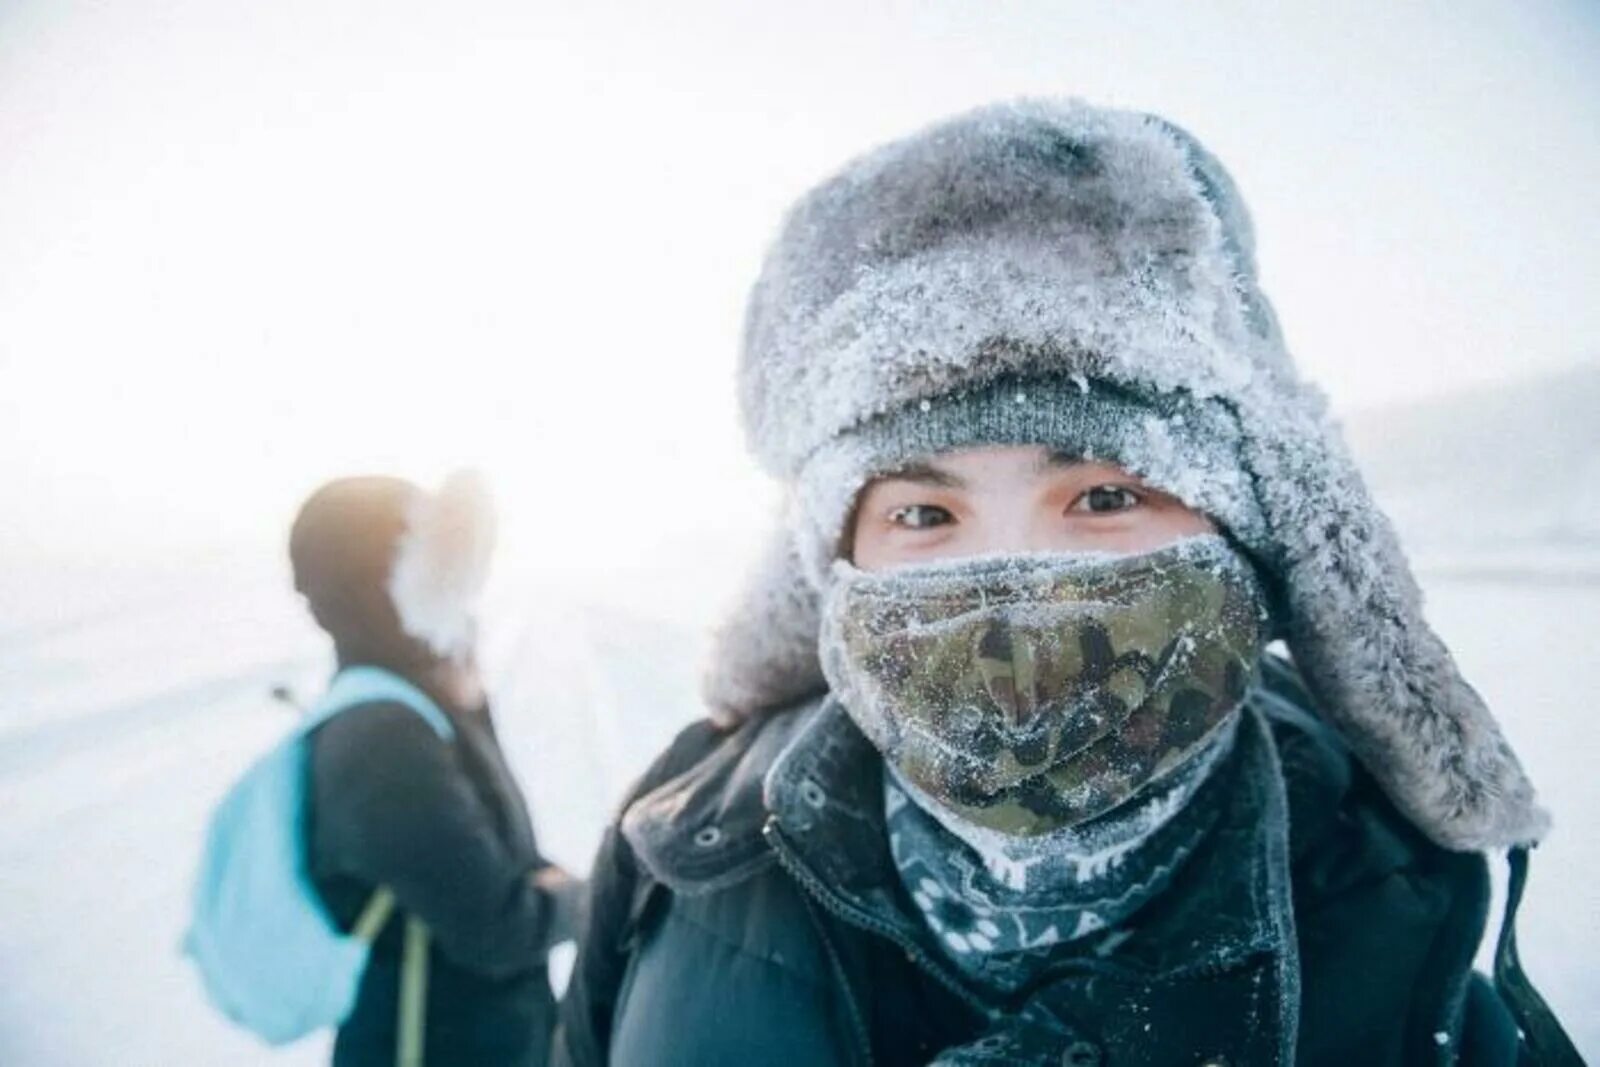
column 126, row 715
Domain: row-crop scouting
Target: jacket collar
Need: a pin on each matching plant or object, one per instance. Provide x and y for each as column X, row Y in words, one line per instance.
column 702, row 829
column 1229, row 902
column 811, row 774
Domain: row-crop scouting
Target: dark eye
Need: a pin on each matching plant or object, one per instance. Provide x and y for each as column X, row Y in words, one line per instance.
column 920, row 516
column 1103, row 499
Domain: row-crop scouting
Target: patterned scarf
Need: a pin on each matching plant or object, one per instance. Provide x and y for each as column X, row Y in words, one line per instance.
column 999, row 905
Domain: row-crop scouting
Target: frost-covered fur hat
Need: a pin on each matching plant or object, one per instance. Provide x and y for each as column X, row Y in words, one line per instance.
column 1046, row 249
column 393, row 572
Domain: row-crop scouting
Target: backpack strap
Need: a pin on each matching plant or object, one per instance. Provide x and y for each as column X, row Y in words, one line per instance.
column 411, row 1031
column 368, row 685
column 1541, row 1029
column 411, row 1039
column 373, row 917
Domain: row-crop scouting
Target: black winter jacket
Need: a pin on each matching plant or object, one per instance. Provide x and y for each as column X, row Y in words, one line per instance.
column 443, row 824
column 745, row 910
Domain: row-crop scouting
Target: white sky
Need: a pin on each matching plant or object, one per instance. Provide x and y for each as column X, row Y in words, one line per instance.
column 245, row 247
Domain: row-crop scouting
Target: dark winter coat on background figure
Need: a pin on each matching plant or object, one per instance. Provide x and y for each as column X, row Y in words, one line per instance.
column 745, row 910
column 442, row 824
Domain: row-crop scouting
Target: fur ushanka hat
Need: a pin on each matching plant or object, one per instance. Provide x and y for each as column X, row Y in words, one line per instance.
column 1027, row 245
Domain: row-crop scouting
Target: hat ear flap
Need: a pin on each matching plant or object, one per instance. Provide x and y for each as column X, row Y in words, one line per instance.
column 764, row 655
column 442, row 562
column 1356, row 629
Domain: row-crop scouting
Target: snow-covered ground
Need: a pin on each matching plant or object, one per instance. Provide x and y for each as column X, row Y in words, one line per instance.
column 134, row 694
column 133, row 700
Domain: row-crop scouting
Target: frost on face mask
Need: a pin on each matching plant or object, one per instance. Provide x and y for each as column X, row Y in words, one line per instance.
column 1031, row 693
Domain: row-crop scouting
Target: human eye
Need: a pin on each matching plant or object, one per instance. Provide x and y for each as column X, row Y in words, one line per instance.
column 920, row 516
column 1106, row 499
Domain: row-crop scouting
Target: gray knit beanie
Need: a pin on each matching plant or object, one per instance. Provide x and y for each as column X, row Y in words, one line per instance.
column 1054, row 273
column 1188, row 448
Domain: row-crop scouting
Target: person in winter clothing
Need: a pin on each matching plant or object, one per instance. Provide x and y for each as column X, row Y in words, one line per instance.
column 1001, row 768
column 390, row 572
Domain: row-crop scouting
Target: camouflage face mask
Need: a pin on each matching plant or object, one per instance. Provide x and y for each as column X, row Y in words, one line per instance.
column 1032, row 693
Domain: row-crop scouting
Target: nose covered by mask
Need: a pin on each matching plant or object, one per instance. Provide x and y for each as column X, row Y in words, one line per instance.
column 1032, row 693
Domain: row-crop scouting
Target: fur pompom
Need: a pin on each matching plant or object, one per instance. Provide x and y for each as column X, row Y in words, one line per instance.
column 442, row 562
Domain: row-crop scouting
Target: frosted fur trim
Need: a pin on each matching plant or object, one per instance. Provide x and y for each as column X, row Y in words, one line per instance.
column 765, row 653
column 442, row 562
column 1050, row 238
column 1021, row 239
column 1356, row 629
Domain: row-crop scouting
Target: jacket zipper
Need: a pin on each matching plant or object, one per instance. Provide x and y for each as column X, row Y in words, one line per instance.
column 857, row 1022
column 856, row 917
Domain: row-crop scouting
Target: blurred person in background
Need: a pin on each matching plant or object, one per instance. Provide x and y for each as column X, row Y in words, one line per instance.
column 1000, row 768
column 392, row 574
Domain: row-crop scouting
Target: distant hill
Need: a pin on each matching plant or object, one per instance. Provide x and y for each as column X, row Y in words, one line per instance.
column 1511, row 471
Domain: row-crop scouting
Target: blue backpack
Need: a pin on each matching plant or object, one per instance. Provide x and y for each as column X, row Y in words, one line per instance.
column 270, row 956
